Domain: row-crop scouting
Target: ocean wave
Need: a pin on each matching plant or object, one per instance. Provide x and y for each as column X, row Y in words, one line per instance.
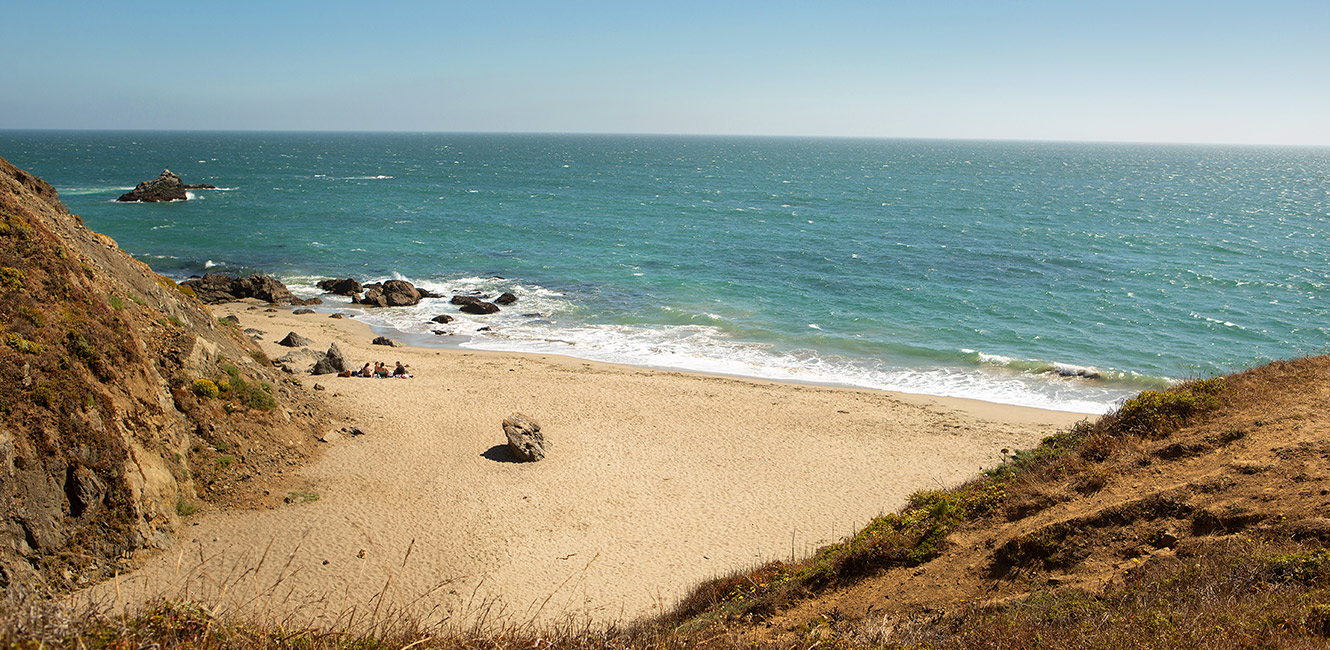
column 1066, row 370
column 84, row 191
column 547, row 321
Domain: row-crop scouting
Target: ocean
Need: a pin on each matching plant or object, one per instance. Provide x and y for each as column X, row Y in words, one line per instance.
column 1065, row 276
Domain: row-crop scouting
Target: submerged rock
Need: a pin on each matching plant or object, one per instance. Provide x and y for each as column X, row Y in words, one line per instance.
column 524, row 437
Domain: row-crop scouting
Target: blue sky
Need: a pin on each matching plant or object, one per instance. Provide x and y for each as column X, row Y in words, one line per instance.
column 1242, row 72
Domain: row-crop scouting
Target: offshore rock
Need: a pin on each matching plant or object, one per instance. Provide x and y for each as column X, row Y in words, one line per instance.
column 216, row 288
column 166, row 187
column 524, row 437
column 507, row 298
column 443, row 318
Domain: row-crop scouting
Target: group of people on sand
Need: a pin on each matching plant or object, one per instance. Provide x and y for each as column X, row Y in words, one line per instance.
column 381, row 370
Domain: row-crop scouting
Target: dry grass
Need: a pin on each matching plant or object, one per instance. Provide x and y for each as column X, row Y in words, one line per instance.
column 1243, row 590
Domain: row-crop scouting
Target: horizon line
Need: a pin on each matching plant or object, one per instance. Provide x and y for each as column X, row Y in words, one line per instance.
column 670, row 134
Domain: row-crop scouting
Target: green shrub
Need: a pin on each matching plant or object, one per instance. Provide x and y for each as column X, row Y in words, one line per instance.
column 184, row 507
column 116, row 302
column 16, row 341
column 11, row 278
column 205, row 388
column 1155, row 412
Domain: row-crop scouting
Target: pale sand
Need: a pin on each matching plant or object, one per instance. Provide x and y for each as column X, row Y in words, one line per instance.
column 656, row 481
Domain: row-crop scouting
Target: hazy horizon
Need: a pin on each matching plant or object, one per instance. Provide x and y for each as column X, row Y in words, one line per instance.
column 1133, row 72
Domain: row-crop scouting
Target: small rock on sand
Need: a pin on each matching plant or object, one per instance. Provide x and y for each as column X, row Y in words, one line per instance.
column 524, row 437
column 383, row 340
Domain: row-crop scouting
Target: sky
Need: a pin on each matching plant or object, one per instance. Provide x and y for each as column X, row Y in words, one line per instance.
column 1159, row 71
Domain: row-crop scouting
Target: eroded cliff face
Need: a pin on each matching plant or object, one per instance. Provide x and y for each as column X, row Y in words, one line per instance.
column 104, row 440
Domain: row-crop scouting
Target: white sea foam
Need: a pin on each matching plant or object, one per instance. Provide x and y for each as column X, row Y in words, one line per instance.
column 546, row 321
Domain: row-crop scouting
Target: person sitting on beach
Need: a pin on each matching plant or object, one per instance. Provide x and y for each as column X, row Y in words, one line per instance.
column 400, row 371
column 366, row 371
column 380, row 370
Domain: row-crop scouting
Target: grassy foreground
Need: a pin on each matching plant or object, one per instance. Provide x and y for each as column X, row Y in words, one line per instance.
column 1192, row 517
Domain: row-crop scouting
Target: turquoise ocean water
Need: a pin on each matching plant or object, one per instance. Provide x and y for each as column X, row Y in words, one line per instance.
column 988, row 270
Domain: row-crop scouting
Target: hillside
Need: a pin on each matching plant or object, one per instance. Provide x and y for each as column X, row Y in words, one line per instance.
column 104, row 443
column 1195, row 517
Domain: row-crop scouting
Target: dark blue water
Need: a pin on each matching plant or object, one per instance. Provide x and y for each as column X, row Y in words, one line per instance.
column 975, row 269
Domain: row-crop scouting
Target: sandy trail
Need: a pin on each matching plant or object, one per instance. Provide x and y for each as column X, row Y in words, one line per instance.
column 657, row 480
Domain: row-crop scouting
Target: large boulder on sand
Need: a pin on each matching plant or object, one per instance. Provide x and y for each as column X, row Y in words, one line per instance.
column 216, row 288
column 524, row 437
column 166, row 187
column 294, row 340
column 333, row 361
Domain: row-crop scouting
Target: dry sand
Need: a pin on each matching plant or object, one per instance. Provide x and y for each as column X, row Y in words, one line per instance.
column 656, row 480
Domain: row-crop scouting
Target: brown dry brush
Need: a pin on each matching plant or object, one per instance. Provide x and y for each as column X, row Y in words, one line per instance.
column 1231, row 594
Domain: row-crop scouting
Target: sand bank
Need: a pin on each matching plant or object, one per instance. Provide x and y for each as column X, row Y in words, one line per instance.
column 657, row 480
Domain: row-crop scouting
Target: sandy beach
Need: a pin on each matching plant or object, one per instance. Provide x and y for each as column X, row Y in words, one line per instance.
column 656, row 480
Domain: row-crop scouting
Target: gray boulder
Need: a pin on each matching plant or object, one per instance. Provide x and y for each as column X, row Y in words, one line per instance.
column 525, row 440
column 294, row 340
column 333, row 361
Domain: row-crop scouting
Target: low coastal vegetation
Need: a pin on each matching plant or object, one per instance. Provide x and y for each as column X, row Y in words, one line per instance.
column 1137, row 530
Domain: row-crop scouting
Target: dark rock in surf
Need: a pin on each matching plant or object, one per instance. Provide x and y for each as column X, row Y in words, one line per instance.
column 166, row 187
column 507, row 298
column 479, row 307
column 342, row 287
column 216, row 288
column 443, row 318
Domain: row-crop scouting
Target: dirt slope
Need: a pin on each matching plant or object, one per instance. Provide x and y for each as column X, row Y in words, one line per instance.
column 103, row 442
column 1252, row 468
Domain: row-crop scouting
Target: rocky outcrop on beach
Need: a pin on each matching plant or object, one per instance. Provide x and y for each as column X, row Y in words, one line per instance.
column 525, row 440
column 216, row 288
column 294, row 340
column 342, row 287
column 332, row 361
column 166, row 187
column 111, row 406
